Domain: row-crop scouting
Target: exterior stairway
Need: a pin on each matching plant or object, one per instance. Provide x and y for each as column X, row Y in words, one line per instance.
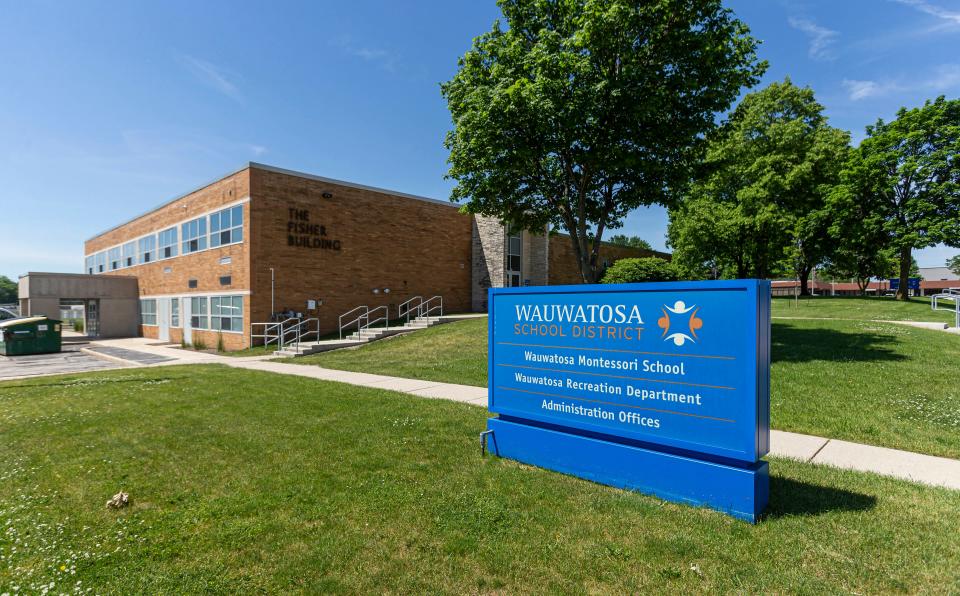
column 363, row 336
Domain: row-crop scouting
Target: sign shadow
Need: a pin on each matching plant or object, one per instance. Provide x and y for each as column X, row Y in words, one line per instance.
column 790, row 498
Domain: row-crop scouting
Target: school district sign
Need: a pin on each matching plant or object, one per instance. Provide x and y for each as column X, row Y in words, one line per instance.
column 665, row 385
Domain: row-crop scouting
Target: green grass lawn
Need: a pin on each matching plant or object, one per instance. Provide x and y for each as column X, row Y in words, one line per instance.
column 452, row 352
column 876, row 383
column 871, row 308
column 244, row 482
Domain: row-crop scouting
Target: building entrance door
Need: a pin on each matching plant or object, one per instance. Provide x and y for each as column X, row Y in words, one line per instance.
column 92, row 316
column 163, row 319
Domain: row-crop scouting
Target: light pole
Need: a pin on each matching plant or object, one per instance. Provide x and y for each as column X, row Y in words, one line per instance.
column 273, row 308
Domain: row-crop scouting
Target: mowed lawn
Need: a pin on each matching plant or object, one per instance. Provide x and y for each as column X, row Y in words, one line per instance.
column 869, row 308
column 877, row 383
column 245, row 482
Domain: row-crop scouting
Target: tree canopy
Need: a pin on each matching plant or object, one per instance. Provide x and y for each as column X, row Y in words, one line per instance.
column 8, row 290
column 953, row 264
column 579, row 111
column 631, row 241
column 642, row 269
column 904, row 181
column 758, row 207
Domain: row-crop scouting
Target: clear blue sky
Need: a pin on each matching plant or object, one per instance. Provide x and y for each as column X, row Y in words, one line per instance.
column 110, row 108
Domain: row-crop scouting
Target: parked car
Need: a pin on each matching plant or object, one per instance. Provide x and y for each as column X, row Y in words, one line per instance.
column 7, row 314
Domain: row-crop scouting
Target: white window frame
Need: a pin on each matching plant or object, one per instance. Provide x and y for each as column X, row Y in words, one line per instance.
column 146, row 255
column 88, row 265
column 100, row 262
column 196, row 314
column 136, row 240
column 129, row 258
column 167, row 244
column 234, row 231
column 175, row 313
column 234, row 313
column 194, row 231
column 114, row 261
column 148, row 312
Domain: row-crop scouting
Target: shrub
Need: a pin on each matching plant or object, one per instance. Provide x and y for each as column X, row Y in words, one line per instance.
column 184, row 344
column 198, row 344
column 220, row 345
column 78, row 325
column 627, row 271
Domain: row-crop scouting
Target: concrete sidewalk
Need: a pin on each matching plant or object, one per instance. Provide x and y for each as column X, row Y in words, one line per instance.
column 916, row 467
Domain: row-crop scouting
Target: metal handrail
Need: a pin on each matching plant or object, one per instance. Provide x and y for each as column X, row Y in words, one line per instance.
column 426, row 308
column 273, row 331
column 369, row 322
column 405, row 308
column 299, row 334
column 357, row 320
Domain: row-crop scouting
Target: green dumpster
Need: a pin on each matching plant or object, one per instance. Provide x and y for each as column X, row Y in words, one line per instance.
column 29, row 335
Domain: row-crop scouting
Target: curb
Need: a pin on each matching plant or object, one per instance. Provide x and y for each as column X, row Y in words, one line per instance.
column 110, row 358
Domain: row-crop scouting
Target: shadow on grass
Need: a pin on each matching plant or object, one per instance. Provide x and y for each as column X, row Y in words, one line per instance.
column 798, row 344
column 794, row 498
column 91, row 379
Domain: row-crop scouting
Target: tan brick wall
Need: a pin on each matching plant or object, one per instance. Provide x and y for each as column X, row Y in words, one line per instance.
column 171, row 276
column 413, row 247
column 563, row 260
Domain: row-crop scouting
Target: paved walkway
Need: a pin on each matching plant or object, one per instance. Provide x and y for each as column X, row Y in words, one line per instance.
column 916, row 467
column 935, row 326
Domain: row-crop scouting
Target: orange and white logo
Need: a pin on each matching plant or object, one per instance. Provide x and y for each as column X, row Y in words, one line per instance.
column 673, row 318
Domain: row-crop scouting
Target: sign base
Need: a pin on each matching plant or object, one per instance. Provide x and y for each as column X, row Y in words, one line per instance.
column 738, row 491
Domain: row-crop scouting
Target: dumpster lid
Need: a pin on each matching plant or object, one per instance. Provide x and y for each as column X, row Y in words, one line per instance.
column 15, row 322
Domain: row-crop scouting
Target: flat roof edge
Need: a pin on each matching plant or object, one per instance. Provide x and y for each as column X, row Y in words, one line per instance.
column 278, row 170
column 347, row 183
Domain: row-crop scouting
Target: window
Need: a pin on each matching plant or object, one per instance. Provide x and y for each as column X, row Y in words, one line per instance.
column 226, row 227
column 100, row 262
column 194, row 234
column 129, row 254
column 191, row 283
column 113, row 257
column 168, row 243
column 148, row 312
column 227, row 313
column 148, row 247
column 198, row 313
column 226, row 280
column 514, row 265
column 88, row 265
column 174, row 312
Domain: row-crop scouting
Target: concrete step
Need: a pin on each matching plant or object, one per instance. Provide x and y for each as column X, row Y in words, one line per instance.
column 318, row 346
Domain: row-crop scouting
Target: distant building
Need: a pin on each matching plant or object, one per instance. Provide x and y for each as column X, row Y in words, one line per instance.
column 938, row 274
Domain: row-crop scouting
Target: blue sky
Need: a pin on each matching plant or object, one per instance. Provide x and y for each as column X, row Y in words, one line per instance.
column 110, row 108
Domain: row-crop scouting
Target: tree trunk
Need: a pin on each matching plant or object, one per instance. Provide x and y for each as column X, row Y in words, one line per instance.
column 906, row 259
column 581, row 250
column 804, row 275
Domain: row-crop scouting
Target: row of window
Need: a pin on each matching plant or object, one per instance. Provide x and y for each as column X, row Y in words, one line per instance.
column 226, row 227
column 216, row 313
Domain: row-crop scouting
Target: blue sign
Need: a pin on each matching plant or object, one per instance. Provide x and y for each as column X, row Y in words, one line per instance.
column 662, row 376
column 913, row 283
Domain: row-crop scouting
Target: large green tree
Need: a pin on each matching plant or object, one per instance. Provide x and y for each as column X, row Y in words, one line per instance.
column 860, row 248
column 953, row 264
column 579, row 111
column 758, row 209
column 8, row 290
column 631, row 241
column 906, row 176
